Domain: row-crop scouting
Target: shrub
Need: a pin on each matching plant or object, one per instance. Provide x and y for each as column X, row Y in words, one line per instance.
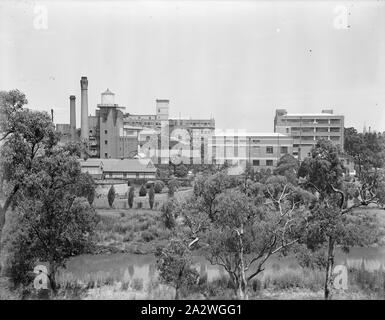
column 147, row 236
column 137, row 284
column 173, row 185
column 131, row 195
column 111, row 196
column 181, row 171
column 168, row 216
column 151, row 196
column 142, row 191
column 128, row 237
column 158, row 186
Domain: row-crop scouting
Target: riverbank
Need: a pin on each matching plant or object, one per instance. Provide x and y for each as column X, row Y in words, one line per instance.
column 137, row 231
column 283, row 284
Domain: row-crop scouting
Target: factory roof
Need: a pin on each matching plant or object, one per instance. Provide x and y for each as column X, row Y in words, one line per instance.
column 128, row 165
column 120, row 165
column 311, row 115
column 236, row 133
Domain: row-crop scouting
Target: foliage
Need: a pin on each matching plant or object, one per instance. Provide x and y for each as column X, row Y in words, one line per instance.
column 131, row 195
column 240, row 227
column 111, row 196
column 142, row 191
column 288, row 166
column 44, row 187
column 86, row 187
column 323, row 169
column 172, row 185
column 158, row 186
column 367, row 149
column 181, row 171
column 26, row 136
column 332, row 220
column 151, row 197
column 169, row 213
column 174, row 265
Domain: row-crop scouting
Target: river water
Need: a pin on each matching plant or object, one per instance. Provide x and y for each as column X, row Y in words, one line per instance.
column 122, row 267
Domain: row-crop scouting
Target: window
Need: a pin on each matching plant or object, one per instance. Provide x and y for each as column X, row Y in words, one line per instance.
column 269, row 163
column 105, row 131
column 283, row 149
column 255, row 162
column 105, row 142
column 269, row 149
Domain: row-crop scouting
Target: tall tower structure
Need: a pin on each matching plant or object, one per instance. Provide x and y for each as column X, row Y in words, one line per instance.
column 73, row 118
column 84, row 109
column 162, row 109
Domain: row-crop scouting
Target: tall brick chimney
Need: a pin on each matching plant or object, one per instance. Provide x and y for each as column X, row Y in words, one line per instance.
column 84, row 133
column 73, row 117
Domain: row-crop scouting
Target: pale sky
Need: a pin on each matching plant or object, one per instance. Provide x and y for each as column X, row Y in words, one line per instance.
column 237, row 61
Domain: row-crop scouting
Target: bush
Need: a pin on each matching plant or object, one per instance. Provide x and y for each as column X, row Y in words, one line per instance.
column 173, row 185
column 147, row 236
column 131, row 195
column 111, row 196
column 168, row 217
column 142, row 191
column 181, row 171
column 151, row 197
column 158, row 186
column 137, row 284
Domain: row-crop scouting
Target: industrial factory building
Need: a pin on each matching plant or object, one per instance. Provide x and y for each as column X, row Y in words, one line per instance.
column 114, row 134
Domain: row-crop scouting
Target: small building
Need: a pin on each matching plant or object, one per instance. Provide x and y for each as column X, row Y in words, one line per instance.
column 128, row 169
column 123, row 169
column 93, row 166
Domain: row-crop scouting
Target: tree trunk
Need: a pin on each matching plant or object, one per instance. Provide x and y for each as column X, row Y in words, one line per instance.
column 3, row 210
column 52, row 277
column 242, row 279
column 329, row 269
column 177, row 293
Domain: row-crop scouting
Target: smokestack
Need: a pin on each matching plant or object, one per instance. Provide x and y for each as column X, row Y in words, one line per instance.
column 52, row 115
column 84, row 108
column 73, row 118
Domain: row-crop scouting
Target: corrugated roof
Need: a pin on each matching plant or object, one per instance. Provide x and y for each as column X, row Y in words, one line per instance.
column 128, row 165
column 311, row 115
column 91, row 162
column 248, row 134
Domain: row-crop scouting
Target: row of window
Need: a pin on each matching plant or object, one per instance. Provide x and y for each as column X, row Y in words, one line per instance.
column 257, row 163
column 137, row 175
column 312, row 121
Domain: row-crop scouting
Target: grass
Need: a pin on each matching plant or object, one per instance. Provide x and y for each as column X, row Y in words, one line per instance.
column 131, row 231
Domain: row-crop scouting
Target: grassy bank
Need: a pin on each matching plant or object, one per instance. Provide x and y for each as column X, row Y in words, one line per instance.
column 130, row 231
column 286, row 283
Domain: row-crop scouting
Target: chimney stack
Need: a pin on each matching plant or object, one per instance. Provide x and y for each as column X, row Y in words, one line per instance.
column 73, row 118
column 84, row 108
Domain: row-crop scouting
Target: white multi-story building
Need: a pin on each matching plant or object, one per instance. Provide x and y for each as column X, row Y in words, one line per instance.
column 307, row 128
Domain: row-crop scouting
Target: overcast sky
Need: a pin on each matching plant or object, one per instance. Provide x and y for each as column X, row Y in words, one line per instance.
column 237, row 61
